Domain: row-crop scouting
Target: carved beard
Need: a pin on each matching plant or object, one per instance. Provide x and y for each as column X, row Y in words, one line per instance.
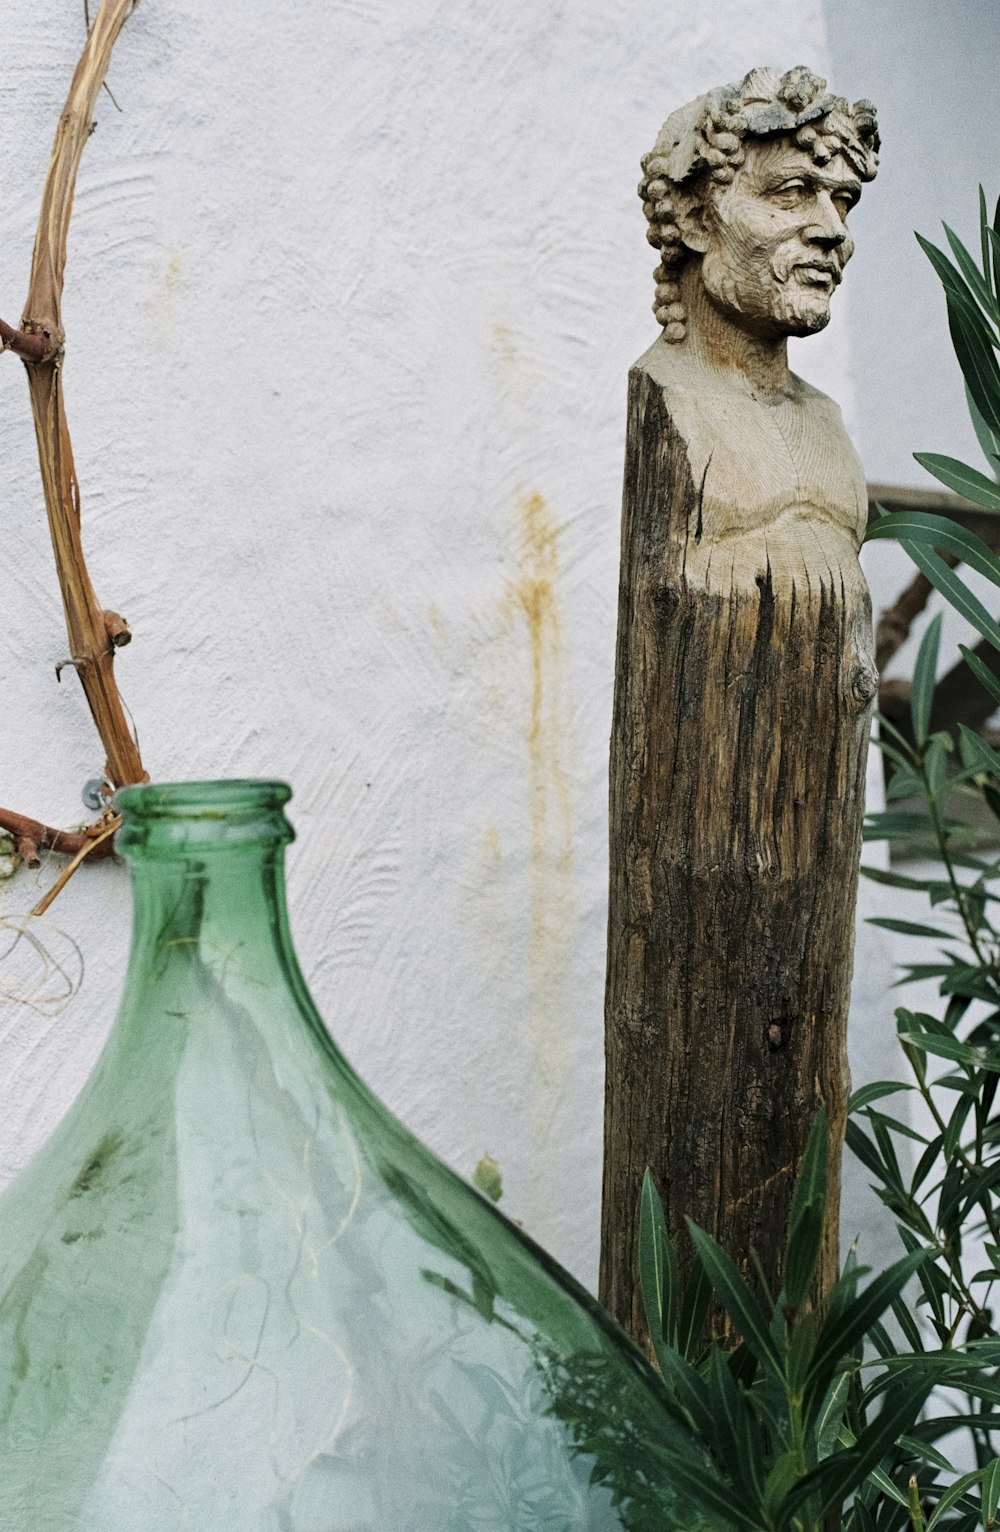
column 785, row 296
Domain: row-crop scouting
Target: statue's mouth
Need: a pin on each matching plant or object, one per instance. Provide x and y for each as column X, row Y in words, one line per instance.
column 823, row 275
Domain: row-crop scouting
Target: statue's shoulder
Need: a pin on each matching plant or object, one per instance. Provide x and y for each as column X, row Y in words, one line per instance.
column 669, row 367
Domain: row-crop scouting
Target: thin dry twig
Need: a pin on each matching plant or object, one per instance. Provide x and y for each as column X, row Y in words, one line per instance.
column 30, row 348
column 104, row 838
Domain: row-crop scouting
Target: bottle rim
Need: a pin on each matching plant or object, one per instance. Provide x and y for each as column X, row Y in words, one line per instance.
column 169, row 816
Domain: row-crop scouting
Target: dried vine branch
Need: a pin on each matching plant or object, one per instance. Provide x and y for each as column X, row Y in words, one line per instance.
column 31, row 836
column 94, row 632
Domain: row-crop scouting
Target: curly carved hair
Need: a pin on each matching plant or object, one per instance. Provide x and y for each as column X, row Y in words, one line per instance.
column 701, row 146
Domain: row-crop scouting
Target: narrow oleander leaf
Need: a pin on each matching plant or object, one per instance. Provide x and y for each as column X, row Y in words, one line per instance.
column 913, row 928
column 838, row 1336
column 924, row 680
column 711, row 1493
column 657, row 1265
column 982, row 672
column 990, row 1493
column 689, row 1389
column 805, row 1216
column 973, row 348
column 953, row 1494
column 977, row 753
column 984, row 244
column 895, row 1125
column 950, row 1048
column 958, row 294
column 978, row 285
column 737, row 1432
column 736, row 1297
column 861, row 1519
column 875, row 1090
column 904, row 880
column 693, row 1309
column 830, row 1415
column 903, row 1315
column 844, row 1473
column 942, row 533
column 955, row 592
column 988, row 440
column 963, row 479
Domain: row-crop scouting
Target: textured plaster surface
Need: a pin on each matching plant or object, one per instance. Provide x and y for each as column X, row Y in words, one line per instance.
column 353, row 291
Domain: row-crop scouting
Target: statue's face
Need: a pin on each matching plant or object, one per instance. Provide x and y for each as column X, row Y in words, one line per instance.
column 775, row 239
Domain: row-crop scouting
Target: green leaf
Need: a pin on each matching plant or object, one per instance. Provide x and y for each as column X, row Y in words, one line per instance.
column 942, row 533
column 895, row 1126
column 953, row 590
column 988, row 440
column 841, row 1332
column 958, row 294
column 831, row 1414
column 844, row 1473
column 973, row 276
column 990, row 1492
column 982, row 672
column 912, row 928
column 903, row 880
column 694, row 1307
column 994, row 237
column 739, row 1302
column 976, row 752
column 904, row 1318
column 657, row 1266
column 984, row 239
column 783, row 1477
column 689, row 1389
column 973, row 348
column 805, row 1217
column 875, row 1090
column 924, row 680
column 710, row 1492
column 736, row 1439
column 962, row 479
column 951, row 1048
column 954, row 1494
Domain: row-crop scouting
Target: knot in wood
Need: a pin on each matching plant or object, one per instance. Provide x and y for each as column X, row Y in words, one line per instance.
column 117, row 629
column 44, row 332
column 864, row 684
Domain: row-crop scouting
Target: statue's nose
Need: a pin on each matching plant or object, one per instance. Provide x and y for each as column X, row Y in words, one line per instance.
column 827, row 229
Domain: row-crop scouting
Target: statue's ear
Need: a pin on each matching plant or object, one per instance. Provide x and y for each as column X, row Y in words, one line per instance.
column 692, row 221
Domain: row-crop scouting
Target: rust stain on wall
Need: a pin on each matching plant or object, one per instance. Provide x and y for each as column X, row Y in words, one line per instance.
column 534, row 597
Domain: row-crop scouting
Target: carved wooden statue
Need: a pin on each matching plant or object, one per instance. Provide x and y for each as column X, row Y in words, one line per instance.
column 744, row 681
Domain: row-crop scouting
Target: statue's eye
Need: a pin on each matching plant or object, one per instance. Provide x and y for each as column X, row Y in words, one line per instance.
column 789, row 193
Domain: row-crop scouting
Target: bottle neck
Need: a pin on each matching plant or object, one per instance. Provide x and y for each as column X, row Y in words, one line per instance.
column 207, row 864
column 201, row 906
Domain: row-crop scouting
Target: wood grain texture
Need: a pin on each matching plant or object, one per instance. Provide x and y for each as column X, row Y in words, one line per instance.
column 743, row 692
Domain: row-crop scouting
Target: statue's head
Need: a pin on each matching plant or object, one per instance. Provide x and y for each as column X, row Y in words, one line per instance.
column 754, row 182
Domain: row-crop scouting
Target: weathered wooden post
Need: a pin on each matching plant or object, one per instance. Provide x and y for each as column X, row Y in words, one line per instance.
column 743, row 685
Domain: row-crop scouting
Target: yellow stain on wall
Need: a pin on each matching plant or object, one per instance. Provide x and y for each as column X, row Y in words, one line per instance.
column 167, row 291
column 534, row 597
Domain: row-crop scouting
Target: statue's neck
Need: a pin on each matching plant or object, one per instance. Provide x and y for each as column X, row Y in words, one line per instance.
column 718, row 342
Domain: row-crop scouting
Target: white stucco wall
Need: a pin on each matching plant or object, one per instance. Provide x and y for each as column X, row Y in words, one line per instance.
column 352, row 294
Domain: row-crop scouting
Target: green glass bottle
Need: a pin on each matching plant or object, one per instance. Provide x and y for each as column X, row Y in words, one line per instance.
column 236, row 1295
